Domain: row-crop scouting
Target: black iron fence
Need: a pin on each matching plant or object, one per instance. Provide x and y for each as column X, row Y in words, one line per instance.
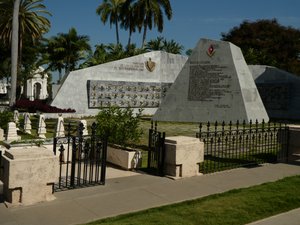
column 156, row 150
column 237, row 145
column 82, row 159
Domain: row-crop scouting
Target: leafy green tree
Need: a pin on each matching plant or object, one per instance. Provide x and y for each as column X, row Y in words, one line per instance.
column 111, row 9
column 267, row 42
column 151, row 13
column 20, row 18
column 155, row 44
column 128, row 18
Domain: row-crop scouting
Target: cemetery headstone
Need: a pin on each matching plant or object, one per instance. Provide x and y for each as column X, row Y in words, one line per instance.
column 84, row 127
column 42, row 126
column 16, row 116
column 215, row 84
column 12, row 132
column 60, row 129
column 27, row 123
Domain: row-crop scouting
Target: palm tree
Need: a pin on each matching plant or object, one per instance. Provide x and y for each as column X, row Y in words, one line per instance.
column 155, row 44
column 172, row 47
column 150, row 13
column 128, row 20
column 66, row 50
column 20, row 18
column 14, row 53
column 111, row 9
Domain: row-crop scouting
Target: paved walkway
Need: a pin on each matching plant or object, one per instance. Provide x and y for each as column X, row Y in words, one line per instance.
column 134, row 193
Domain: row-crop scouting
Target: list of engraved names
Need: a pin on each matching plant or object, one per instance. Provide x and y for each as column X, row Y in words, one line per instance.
column 208, row 82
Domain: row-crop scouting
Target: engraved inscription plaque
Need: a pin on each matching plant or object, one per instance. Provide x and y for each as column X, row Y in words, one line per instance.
column 208, row 82
column 274, row 96
column 126, row 94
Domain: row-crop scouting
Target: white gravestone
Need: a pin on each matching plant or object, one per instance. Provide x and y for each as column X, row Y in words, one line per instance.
column 84, row 123
column 27, row 123
column 16, row 116
column 12, row 132
column 42, row 126
column 60, row 129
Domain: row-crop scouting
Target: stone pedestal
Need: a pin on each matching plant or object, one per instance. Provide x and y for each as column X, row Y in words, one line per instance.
column 12, row 132
column 29, row 175
column 294, row 143
column 182, row 156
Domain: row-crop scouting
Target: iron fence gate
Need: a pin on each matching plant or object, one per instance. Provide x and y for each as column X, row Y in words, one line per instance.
column 156, row 151
column 230, row 146
column 82, row 159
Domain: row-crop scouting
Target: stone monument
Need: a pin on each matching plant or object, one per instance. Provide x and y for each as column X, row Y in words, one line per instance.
column 27, row 123
column 279, row 91
column 42, row 126
column 215, row 84
column 16, row 116
column 12, row 132
column 60, row 129
column 84, row 131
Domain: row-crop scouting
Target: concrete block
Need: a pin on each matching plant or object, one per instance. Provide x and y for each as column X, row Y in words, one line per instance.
column 29, row 175
column 126, row 159
column 182, row 156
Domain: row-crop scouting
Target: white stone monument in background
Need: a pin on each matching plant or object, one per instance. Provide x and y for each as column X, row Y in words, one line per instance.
column 60, row 129
column 84, row 131
column 215, row 84
column 27, row 123
column 42, row 126
column 12, row 132
column 37, row 85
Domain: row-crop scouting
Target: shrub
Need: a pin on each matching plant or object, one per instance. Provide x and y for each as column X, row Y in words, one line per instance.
column 5, row 118
column 121, row 126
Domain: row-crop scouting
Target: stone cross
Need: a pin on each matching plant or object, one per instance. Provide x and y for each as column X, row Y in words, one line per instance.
column 27, row 123
column 60, row 129
column 84, row 123
column 42, row 126
column 12, row 132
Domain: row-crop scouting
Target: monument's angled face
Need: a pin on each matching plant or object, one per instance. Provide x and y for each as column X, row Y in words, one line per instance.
column 137, row 82
column 215, row 84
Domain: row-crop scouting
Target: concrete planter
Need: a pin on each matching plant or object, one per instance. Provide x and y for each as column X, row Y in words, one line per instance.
column 127, row 159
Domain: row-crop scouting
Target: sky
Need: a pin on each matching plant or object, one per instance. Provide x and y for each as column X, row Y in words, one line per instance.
column 192, row 19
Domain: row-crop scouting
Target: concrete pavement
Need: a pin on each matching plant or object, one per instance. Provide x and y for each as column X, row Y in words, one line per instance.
column 133, row 193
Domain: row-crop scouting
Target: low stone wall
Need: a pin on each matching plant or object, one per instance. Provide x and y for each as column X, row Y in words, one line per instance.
column 294, row 143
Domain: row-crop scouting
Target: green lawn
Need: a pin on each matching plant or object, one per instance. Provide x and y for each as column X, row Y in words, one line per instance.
column 234, row 207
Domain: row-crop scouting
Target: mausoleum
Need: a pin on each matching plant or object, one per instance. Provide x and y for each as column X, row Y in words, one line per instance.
column 37, row 85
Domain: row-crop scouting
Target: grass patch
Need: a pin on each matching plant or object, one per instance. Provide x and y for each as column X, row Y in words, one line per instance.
column 233, row 207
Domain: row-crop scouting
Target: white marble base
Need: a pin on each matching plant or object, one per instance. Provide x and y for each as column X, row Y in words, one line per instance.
column 182, row 156
column 123, row 158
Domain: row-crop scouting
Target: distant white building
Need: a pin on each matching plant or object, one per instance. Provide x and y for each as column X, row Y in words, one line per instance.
column 37, row 85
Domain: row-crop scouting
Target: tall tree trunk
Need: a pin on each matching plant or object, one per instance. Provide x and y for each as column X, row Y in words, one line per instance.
column 144, row 36
column 14, row 53
column 117, row 32
column 129, row 38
